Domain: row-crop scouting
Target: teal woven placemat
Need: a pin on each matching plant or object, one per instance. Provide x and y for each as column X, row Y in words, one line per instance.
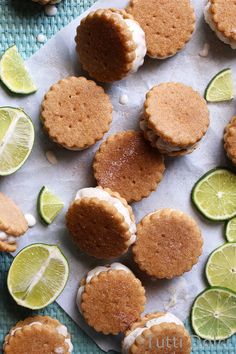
column 20, row 23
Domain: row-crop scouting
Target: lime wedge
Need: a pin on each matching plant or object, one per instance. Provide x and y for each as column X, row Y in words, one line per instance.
column 13, row 73
column 49, row 205
column 230, row 230
column 16, row 139
column 221, row 267
column 221, row 87
column 214, row 314
column 37, row 276
column 214, row 194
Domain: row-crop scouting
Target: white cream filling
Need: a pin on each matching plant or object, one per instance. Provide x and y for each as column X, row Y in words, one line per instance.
column 95, row 272
column 7, row 238
column 130, row 339
column 140, row 42
column 209, row 19
column 103, row 195
column 159, row 143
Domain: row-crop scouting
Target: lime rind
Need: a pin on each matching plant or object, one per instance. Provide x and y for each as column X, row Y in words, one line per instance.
column 14, row 74
column 212, row 319
column 49, row 205
column 230, row 230
column 16, row 139
column 40, row 290
column 221, row 87
column 221, row 267
column 215, row 196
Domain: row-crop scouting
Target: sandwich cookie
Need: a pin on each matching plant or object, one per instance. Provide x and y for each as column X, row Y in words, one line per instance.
column 230, row 140
column 76, row 113
column 110, row 44
column 12, row 224
column 175, row 118
column 127, row 164
column 220, row 16
column 157, row 333
column 111, row 298
column 38, row 335
column 168, row 24
column 168, row 244
column 101, row 223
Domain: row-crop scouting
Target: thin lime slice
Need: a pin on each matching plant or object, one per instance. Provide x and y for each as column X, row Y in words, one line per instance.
column 221, row 267
column 49, row 205
column 16, row 139
column 214, row 194
column 37, row 276
column 13, row 73
column 221, row 87
column 214, row 314
column 230, row 230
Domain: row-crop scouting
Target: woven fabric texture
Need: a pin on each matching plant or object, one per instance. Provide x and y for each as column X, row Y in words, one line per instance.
column 21, row 21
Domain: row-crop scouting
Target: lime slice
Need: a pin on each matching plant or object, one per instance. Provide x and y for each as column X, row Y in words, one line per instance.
column 16, row 139
column 13, row 73
column 49, row 205
column 214, row 194
column 214, row 314
column 230, row 230
column 221, row 267
column 37, row 276
column 221, row 87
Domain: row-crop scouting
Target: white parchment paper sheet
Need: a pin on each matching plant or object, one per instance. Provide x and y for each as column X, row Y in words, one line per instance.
column 56, row 60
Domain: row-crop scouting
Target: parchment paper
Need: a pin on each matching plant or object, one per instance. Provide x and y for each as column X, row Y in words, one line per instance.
column 56, row 60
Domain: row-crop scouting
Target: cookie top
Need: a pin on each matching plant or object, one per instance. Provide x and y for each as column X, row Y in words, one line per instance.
column 223, row 16
column 12, row 224
column 126, row 163
column 157, row 328
column 168, row 24
column 105, row 45
column 230, row 140
column 101, row 223
column 38, row 335
column 176, row 113
column 168, row 244
column 112, row 301
column 70, row 113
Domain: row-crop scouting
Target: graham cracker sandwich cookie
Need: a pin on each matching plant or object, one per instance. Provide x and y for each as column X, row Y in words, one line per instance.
column 38, row 335
column 157, row 333
column 168, row 244
column 110, row 44
column 101, row 223
column 12, row 224
column 175, row 118
column 76, row 113
column 111, row 298
column 220, row 16
column 230, row 140
column 126, row 163
column 168, row 24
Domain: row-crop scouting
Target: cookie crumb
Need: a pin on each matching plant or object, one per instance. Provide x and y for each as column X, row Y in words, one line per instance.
column 41, row 38
column 51, row 157
column 124, row 99
column 50, row 10
column 204, row 52
column 30, row 220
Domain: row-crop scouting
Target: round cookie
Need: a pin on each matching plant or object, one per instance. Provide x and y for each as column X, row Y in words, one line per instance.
column 101, row 223
column 12, row 224
column 230, row 140
column 38, row 335
column 220, row 15
column 168, row 24
column 168, row 244
column 126, row 163
column 70, row 113
column 175, row 118
column 111, row 298
column 110, row 44
column 157, row 333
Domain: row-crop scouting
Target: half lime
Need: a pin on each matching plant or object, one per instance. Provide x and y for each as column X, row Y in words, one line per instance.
column 221, row 87
column 49, row 205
